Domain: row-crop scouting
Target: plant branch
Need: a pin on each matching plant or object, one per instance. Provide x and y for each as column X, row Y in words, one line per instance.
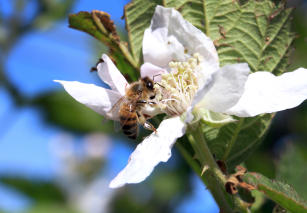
column 213, row 185
column 214, row 178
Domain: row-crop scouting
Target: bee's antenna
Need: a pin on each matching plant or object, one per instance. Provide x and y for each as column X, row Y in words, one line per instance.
column 160, row 85
column 153, row 77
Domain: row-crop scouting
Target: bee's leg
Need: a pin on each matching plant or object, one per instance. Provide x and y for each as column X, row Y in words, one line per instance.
column 142, row 120
column 140, row 102
column 149, row 126
column 160, row 85
column 152, row 103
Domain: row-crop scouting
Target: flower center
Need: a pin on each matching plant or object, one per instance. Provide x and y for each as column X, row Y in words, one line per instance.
column 177, row 88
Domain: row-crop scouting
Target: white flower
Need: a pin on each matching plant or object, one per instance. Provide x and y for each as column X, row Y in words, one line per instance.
column 192, row 81
column 185, row 62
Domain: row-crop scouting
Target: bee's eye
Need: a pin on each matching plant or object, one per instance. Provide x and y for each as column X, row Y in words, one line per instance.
column 152, row 97
column 149, row 85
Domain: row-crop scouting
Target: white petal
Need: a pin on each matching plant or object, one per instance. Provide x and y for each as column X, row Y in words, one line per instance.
column 152, row 71
column 108, row 73
column 159, row 48
column 97, row 98
column 227, row 88
column 154, row 149
column 266, row 93
column 206, row 84
column 192, row 39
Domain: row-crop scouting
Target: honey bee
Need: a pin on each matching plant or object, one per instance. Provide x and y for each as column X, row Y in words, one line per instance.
column 130, row 106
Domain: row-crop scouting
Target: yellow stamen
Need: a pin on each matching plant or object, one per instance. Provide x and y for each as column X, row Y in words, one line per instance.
column 179, row 86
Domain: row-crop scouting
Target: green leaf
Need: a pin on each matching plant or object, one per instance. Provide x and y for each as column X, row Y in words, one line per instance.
column 40, row 191
column 281, row 193
column 61, row 109
column 125, row 68
column 52, row 11
column 298, row 58
column 84, row 21
column 234, row 142
column 100, row 26
column 51, row 208
column 256, row 32
column 292, row 167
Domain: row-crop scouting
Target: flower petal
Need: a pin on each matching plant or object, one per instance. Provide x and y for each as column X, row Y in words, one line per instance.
column 159, row 48
column 152, row 71
column 97, row 98
column 266, row 93
column 154, row 149
column 108, row 73
column 170, row 25
column 227, row 88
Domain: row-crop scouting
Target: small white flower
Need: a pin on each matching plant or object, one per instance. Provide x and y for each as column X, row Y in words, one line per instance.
column 185, row 62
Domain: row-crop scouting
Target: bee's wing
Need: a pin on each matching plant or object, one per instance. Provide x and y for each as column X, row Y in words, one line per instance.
column 115, row 109
column 117, row 127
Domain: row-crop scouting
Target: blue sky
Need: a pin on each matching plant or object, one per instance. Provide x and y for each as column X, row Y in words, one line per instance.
column 36, row 60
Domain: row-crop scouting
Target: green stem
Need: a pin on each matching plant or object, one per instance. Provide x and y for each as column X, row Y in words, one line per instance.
column 204, row 153
column 214, row 178
column 211, row 182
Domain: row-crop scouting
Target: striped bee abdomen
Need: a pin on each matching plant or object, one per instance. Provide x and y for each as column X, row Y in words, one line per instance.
column 128, row 121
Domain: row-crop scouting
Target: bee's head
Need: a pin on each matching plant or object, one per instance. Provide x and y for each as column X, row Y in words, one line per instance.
column 149, row 84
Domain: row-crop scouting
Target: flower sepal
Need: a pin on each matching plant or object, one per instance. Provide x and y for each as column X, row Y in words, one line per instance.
column 213, row 119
